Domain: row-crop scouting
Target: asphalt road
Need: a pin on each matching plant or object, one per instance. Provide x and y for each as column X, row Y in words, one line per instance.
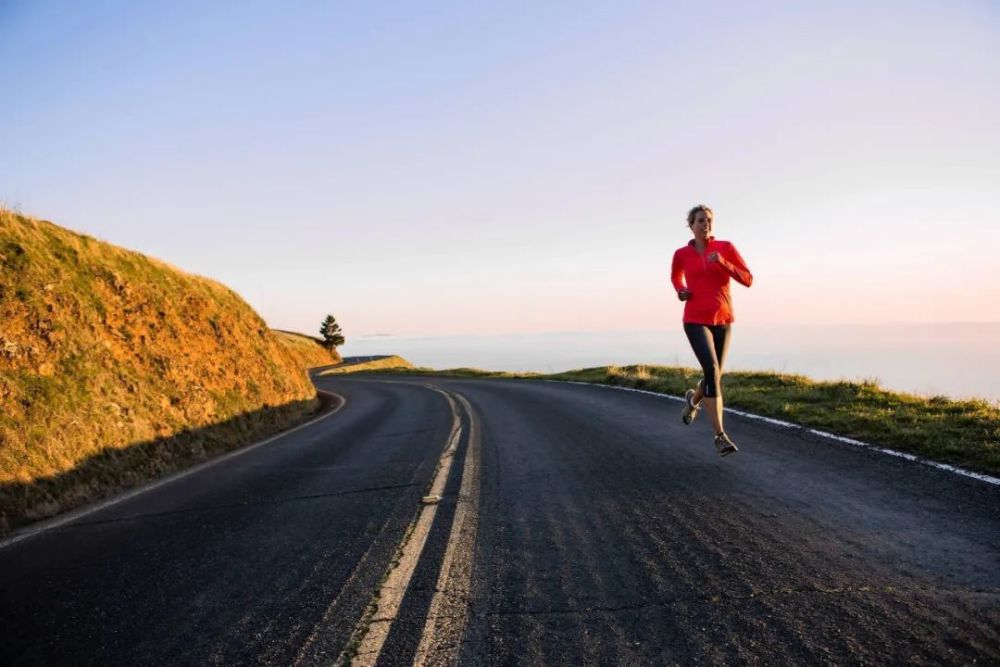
column 577, row 525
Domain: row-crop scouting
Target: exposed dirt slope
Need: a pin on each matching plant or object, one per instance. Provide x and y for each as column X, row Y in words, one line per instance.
column 116, row 368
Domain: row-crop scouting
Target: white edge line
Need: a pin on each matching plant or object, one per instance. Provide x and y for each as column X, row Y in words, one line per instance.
column 823, row 434
column 50, row 524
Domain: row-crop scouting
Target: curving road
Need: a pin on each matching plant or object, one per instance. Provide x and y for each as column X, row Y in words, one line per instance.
column 439, row 521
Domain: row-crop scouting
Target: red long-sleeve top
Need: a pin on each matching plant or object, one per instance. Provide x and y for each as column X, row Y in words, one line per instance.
column 708, row 282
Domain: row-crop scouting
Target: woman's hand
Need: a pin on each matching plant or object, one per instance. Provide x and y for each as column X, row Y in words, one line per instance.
column 684, row 294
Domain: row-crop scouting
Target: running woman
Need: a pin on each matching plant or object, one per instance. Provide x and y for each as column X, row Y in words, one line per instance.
column 700, row 273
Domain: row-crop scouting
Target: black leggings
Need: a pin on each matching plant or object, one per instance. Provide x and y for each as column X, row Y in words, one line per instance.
column 709, row 342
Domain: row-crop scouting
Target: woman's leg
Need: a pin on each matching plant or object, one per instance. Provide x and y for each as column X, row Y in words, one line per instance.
column 720, row 336
column 704, row 345
column 699, row 392
column 716, row 409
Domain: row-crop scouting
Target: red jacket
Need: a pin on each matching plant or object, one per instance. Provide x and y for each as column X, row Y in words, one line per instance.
column 707, row 281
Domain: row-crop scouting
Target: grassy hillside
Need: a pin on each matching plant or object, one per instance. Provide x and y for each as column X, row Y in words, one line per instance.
column 307, row 350
column 116, row 368
column 960, row 432
column 381, row 363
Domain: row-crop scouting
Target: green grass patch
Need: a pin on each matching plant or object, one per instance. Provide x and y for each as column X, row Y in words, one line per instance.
column 960, row 432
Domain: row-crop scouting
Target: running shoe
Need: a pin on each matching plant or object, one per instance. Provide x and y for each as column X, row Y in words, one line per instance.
column 690, row 409
column 724, row 445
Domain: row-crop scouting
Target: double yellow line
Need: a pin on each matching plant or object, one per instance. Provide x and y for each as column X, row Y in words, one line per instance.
column 439, row 641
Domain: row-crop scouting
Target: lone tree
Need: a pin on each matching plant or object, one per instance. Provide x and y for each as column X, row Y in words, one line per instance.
column 331, row 333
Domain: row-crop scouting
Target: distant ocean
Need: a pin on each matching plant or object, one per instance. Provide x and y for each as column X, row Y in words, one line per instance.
column 957, row 360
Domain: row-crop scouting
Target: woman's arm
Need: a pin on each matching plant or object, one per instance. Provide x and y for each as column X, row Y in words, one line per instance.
column 733, row 263
column 677, row 273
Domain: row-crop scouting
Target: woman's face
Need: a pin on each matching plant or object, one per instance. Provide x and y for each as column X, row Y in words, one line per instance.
column 702, row 225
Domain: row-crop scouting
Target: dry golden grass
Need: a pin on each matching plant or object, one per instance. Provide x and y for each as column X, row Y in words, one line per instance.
column 103, row 350
column 392, row 362
column 309, row 351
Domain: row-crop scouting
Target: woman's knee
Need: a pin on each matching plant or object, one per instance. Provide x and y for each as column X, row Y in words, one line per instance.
column 712, row 382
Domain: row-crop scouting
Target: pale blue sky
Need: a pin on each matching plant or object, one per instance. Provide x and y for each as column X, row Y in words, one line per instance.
column 483, row 167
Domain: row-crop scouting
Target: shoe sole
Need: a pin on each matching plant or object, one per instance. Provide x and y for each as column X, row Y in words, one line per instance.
column 728, row 450
column 688, row 415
